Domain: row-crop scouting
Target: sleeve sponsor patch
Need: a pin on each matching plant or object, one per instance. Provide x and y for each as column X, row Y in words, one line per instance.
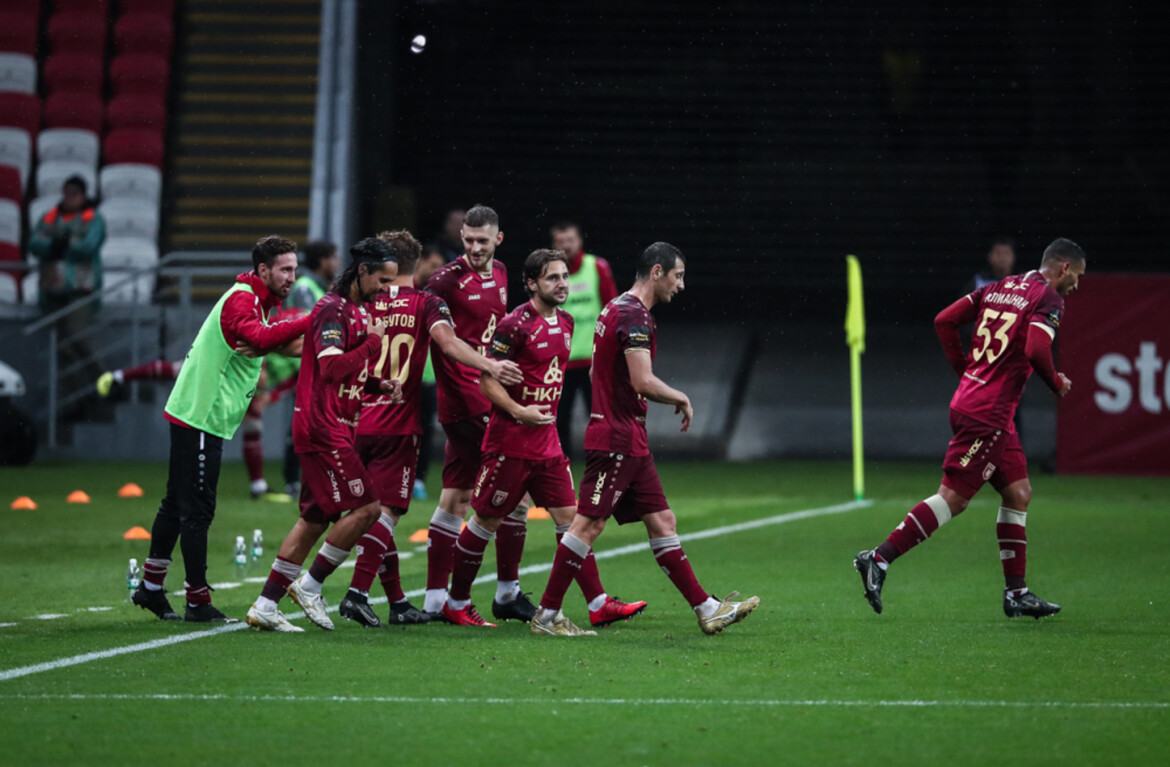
column 501, row 348
column 637, row 337
column 444, row 311
column 1053, row 319
column 332, row 334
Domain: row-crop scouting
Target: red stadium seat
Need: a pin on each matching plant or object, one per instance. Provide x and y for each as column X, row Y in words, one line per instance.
column 10, row 186
column 158, row 7
column 18, row 32
column 9, row 252
column 20, row 110
column 138, row 146
column 141, row 74
column 136, row 112
column 26, row 7
column 75, row 72
column 78, row 33
column 89, row 7
column 145, row 33
column 75, row 110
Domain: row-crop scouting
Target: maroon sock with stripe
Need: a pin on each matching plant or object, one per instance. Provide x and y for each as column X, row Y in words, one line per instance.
column 510, row 547
column 921, row 523
column 571, row 555
column 371, row 547
column 673, row 561
column 1013, row 546
column 283, row 573
column 469, row 549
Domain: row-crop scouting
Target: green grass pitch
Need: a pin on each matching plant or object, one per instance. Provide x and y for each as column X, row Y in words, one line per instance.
column 813, row 677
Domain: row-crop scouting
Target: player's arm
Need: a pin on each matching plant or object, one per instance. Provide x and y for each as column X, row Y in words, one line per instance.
column 947, row 324
column 337, row 364
column 1038, row 348
column 241, row 317
column 653, row 388
column 529, row 415
column 505, row 371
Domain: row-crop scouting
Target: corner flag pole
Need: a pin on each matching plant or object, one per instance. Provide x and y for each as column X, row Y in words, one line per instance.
column 855, row 337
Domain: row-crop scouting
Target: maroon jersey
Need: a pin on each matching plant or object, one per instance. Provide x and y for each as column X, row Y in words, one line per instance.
column 617, row 418
column 408, row 315
column 997, row 365
column 477, row 303
column 327, row 413
column 541, row 348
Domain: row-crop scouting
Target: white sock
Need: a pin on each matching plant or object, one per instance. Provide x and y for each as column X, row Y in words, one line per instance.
column 707, row 608
column 118, row 376
column 260, row 486
column 547, row 616
column 264, row 603
column 457, row 604
column 310, row 584
column 507, row 591
column 434, row 600
column 151, row 586
column 598, row 602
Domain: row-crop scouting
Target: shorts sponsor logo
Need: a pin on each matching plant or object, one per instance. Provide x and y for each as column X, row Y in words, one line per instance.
column 404, row 490
column 356, row 488
column 971, row 452
column 598, row 487
column 499, row 497
column 482, row 476
column 333, row 483
column 988, row 470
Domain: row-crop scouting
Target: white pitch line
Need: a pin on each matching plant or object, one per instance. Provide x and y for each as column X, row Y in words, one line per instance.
column 48, row 616
column 8, row 625
column 545, row 702
column 793, row 516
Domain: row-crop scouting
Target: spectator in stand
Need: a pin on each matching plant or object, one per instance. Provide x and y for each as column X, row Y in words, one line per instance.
column 432, row 259
column 68, row 241
column 1001, row 259
column 450, row 239
column 591, row 287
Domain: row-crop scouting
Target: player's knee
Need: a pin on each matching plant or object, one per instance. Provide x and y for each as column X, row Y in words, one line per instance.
column 368, row 514
column 252, row 426
column 491, row 524
column 1017, row 495
column 661, row 523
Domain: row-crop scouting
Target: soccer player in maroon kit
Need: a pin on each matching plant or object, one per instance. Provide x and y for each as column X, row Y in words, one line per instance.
column 336, row 487
column 620, row 478
column 522, row 451
column 475, row 287
column 1017, row 321
column 389, row 431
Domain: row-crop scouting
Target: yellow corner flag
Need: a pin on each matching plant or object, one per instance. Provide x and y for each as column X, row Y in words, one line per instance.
column 855, row 337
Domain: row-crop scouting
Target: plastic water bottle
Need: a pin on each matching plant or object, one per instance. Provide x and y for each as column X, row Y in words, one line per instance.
column 257, row 545
column 133, row 578
column 241, row 554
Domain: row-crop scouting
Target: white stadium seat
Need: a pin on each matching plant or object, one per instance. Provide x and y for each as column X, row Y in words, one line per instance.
column 9, row 222
column 29, row 288
column 39, row 206
column 121, row 257
column 16, row 150
column 131, row 180
column 8, row 289
column 51, row 176
column 18, row 73
column 130, row 218
column 73, row 144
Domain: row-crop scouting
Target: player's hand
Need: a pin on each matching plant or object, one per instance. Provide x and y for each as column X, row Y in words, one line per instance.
column 393, row 387
column 536, row 415
column 506, row 372
column 687, row 411
column 248, row 350
column 375, row 327
column 1065, row 385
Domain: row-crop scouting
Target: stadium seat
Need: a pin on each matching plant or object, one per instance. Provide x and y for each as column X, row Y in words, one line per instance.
column 10, row 186
column 16, row 151
column 9, row 222
column 18, row 32
column 158, row 7
column 141, row 73
column 131, row 181
column 80, row 32
column 88, row 7
column 137, row 146
column 51, row 176
column 18, row 73
column 9, row 290
column 74, row 72
column 39, row 206
column 130, row 218
column 134, row 112
column 9, row 253
column 68, row 144
column 20, row 110
column 147, row 32
column 29, row 288
column 121, row 257
column 75, row 110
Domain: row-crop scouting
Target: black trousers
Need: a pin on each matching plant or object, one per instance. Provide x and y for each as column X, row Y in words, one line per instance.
column 189, row 506
column 575, row 381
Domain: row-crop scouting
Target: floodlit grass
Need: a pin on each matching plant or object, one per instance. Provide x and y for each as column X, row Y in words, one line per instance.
column 813, row 677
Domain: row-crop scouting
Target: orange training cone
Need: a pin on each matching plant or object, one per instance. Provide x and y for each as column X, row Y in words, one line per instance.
column 130, row 490
column 137, row 533
column 538, row 512
column 24, row 503
column 419, row 536
column 77, row 496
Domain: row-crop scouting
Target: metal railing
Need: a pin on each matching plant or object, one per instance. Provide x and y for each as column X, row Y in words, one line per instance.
column 183, row 267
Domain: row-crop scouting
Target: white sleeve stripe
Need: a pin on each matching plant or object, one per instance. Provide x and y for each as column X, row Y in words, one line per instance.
column 437, row 323
column 637, row 349
column 1044, row 326
column 968, row 297
column 329, row 351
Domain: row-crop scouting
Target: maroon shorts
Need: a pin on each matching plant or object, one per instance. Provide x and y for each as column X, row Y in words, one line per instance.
column 622, row 486
column 979, row 453
column 392, row 461
column 332, row 484
column 503, row 480
column 463, row 452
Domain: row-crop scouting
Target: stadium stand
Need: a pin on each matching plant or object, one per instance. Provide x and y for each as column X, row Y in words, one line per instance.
column 18, row 73
column 136, row 146
column 80, row 31
column 140, row 74
column 10, row 185
column 129, row 218
column 16, row 152
column 136, row 112
column 20, row 110
column 133, row 181
column 68, row 144
column 69, row 72
column 51, row 175
column 145, row 32
column 18, row 32
column 75, row 110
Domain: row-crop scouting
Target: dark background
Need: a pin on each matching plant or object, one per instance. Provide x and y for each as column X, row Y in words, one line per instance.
column 767, row 140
